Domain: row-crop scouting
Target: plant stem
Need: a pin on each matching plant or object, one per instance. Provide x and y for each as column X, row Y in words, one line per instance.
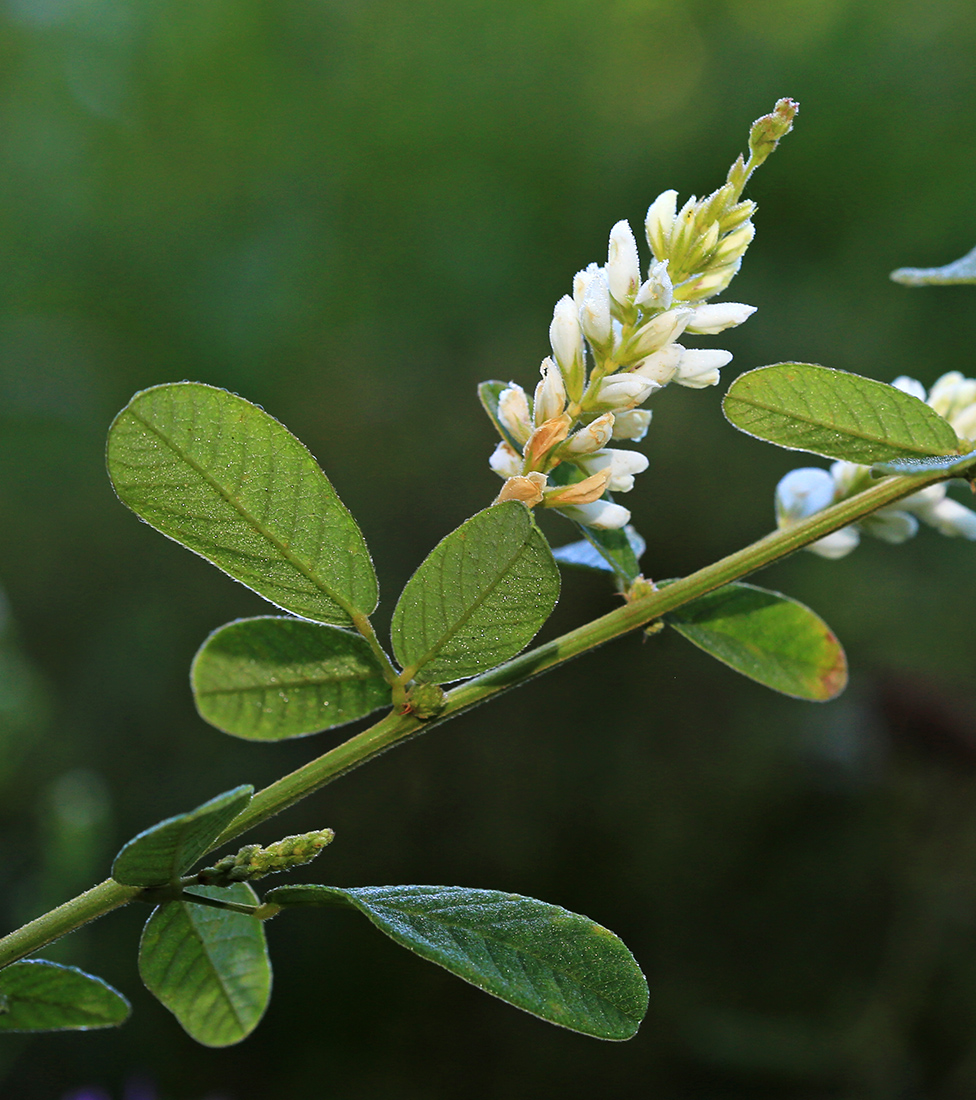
column 394, row 728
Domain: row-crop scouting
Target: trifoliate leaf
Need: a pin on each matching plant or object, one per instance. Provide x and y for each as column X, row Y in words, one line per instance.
column 36, row 995
column 164, row 852
column 226, row 480
column 209, row 967
column 768, row 637
column 269, row 678
column 478, row 599
column 805, row 407
column 555, row 964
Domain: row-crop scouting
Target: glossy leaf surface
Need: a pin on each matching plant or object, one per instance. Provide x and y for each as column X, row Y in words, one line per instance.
column 805, row 407
column 226, row 480
column 209, row 967
column 555, row 964
column 164, row 852
column 269, row 678
column 768, row 637
column 478, row 599
column 962, row 270
column 36, row 995
column 961, row 464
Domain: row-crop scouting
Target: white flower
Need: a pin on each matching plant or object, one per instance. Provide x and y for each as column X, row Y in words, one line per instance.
column 849, row 478
column 662, row 365
column 566, row 338
column 623, row 264
column 836, row 545
column 711, row 319
column 601, row 514
column 594, row 436
column 657, row 292
column 802, row 493
column 513, row 412
column 594, row 313
column 659, row 223
column 952, row 393
column 699, row 367
column 624, row 391
column 946, row 515
column 550, row 393
column 623, row 465
column 505, row 461
column 631, row 424
column 660, row 330
column 890, row 525
column 964, row 422
column 909, row 385
column 582, row 280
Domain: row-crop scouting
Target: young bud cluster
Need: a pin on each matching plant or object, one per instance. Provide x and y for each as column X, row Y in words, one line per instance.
column 253, row 861
column 806, row 491
column 614, row 344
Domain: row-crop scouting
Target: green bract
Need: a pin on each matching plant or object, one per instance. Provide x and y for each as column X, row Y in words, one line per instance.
column 768, row 637
column 555, row 964
column 479, row 597
column 804, row 407
column 270, row 678
column 209, row 967
column 43, row 996
column 163, row 853
column 226, row 480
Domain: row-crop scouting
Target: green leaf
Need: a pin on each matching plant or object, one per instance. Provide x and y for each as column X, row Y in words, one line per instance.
column 961, row 464
column 768, row 637
column 541, row 958
column 164, row 852
column 269, row 678
column 226, row 480
column 209, row 967
column 617, row 552
column 44, row 996
column 804, row 407
column 480, row 596
column 488, row 394
column 959, row 271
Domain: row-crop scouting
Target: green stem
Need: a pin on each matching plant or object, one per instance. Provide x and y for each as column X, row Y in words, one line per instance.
column 365, row 627
column 395, row 728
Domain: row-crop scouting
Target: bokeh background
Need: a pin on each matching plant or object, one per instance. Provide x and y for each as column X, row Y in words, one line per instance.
column 352, row 211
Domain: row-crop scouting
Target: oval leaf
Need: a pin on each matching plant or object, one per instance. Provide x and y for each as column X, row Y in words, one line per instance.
column 804, row 407
column 557, row 965
column 268, row 678
column 226, row 480
column 961, row 465
column 959, row 271
column 43, row 996
column 479, row 597
column 164, row 852
column 209, row 967
column 768, row 637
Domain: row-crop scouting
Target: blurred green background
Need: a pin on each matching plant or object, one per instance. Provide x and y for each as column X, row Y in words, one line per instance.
column 351, row 213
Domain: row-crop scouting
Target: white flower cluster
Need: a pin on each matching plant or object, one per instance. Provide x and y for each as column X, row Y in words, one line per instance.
column 803, row 492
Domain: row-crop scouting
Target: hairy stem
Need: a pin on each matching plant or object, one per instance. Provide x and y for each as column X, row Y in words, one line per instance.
column 394, row 728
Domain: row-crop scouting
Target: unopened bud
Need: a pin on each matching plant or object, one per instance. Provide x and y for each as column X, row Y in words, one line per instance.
column 550, row 393
column 582, row 492
column 505, row 461
column 581, row 282
column 527, row 488
column 625, row 391
column 663, row 329
column 632, row 424
column 591, row 437
column 767, row 131
column 662, row 365
column 594, row 313
column 566, row 339
column 699, row 367
column 623, row 264
column 544, row 438
column 802, row 493
column 659, row 223
column 734, row 244
column 620, row 466
column 513, row 412
column 603, row 515
column 711, row 319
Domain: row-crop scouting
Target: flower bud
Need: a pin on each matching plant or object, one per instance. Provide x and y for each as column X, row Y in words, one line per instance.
column 527, row 488
column 590, row 438
column 657, row 292
column 699, row 367
column 594, row 313
column 733, row 245
column 625, row 391
column 838, row 544
column 712, row 282
column 550, row 393
column 632, row 424
column 849, row 478
column 909, row 385
column 766, row 131
column 601, row 514
column 544, row 438
column 505, row 461
column 660, row 330
column 581, row 492
column 660, row 222
column 661, row 366
column 621, row 466
column 952, row 393
column 566, row 339
column 623, row 264
column 802, row 493
column 949, row 517
column 890, row 525
column 581, row 282
column 513, row 412
column 712, row 319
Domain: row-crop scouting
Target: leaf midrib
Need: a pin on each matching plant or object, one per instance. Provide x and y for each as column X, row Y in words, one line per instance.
column 255, row 523
column 352, row 678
